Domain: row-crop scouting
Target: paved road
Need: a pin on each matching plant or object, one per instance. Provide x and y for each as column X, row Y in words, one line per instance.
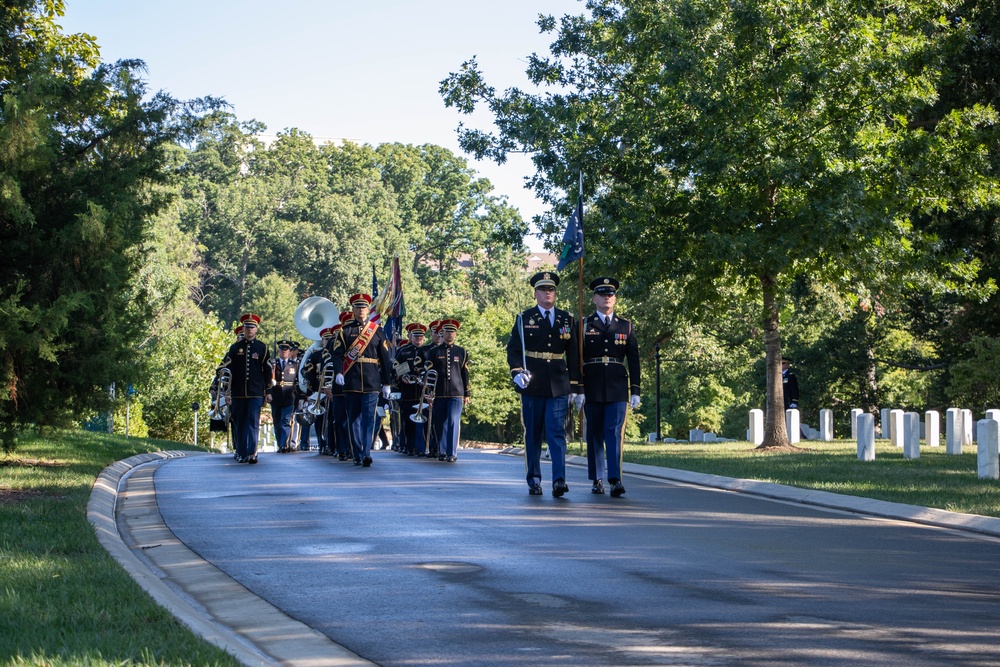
column 415, row 562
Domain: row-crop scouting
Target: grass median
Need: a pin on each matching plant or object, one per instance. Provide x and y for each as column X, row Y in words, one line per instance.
column 63, row 599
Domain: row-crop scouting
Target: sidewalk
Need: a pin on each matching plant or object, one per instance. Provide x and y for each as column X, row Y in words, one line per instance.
column 126, row 518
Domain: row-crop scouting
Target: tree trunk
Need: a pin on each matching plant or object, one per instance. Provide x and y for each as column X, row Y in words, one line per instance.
column 775, row 434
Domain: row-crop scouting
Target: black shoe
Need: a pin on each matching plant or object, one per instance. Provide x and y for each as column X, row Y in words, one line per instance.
column 357, row 462
column 421, row 455
column 452, row 459
column 366, row 462
column 617, row 489
column 598, row 487
column 252, row 459
column 240, row 459
column 342, row 457
column 535, row 490
column 559, row 487
column 441, row 457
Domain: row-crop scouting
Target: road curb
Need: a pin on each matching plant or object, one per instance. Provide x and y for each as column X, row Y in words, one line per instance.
column 123, row 511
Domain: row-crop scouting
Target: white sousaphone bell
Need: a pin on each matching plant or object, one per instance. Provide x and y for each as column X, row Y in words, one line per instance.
column 314, row 314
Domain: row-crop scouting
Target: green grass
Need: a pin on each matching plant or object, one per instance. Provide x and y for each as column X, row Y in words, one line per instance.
column 63, row 599
column 934, row 480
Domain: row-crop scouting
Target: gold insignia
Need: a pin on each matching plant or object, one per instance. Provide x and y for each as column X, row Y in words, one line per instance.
column 606, row 281
column 548, row 276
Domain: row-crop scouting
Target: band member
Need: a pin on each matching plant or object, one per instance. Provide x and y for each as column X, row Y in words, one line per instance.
column 247, row 360
column 408, row 368
column 310, row 370
column 430, row 435
column 451, row 363
column 610, row 382
column 361, row 358
column 283, row 395
column 337, row 428
column 544, row 365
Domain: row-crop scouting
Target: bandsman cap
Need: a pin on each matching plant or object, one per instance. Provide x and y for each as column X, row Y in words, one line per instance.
column 250, row 320
column 346, row 316
column 450, row 325
column 416, row 328
column 604, row 285
column 360, row 300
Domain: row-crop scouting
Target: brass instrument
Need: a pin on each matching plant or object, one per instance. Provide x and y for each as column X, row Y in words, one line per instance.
column 219, row 414
column 427, row 391
column 321, row 400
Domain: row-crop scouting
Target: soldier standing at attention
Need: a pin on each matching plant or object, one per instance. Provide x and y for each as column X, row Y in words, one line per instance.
column 544, row 364
column 361, row 360
column 451, row 363
column 247, row 359
column 409, row 366
column 611, row 382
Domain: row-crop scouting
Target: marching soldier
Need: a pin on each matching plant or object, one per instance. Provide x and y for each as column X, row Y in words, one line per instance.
column 361, row 359
column 544, row 364
column 283, row 395
column 430, row 435
column 247, row 360
column 310, row 369
column 408, row 368
column 611, row 382
column 337, row 431
column 451, row 363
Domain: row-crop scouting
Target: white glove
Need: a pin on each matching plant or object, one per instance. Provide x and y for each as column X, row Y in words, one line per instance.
column 339, row 379
column 578, row 400
column 385, row 391
column 521, row 380
column 634, row 401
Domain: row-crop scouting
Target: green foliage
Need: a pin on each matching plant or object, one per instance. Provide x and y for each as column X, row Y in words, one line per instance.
column 975, row 380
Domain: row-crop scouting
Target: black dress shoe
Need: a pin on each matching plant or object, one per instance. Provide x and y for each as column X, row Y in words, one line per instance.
column 559, row 487
column 342, row 457
column 452, row 459
column 617, row 489
column 535, row 490
column 421, row 455
column 441, row 457
column 357, row 462
column 366, row 462
column 598, row 487
column 252, row 459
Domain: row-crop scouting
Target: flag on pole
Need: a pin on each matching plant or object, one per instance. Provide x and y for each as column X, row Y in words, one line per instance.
column 388, row 309
column 374, row 282
column 573, row 238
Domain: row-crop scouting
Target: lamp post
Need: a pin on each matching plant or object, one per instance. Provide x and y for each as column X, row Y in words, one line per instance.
column 657, row 357
column 194, row 408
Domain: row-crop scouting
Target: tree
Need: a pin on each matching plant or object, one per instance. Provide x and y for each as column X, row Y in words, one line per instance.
column 81, row 155
column 745, row 144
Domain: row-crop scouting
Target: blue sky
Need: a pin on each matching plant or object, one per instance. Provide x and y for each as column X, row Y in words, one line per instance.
column 366, row 70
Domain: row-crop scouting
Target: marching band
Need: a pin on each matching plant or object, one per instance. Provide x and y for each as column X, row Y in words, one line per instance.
column 349, row 374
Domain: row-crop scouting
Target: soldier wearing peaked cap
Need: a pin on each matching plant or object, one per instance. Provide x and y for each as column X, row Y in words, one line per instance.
column 433, row 338
column 247, row 360
column 285, row 373
column 361, row 358
column 611, row 382
column 544, row 364
column 451, row 363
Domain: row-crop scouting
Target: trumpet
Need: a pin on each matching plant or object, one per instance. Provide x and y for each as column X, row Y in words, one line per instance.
column 427, row 391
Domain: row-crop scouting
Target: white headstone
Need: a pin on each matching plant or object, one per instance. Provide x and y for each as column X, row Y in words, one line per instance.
column 696, row 435
column 911, row 435
column 932, row 428
column 896, row 427
column 953, row 431
column 884, row 414
column 792, row 425
column 993, row 414
column 826, row 425
column 988, row 449
column 866, row 437
column 969, row 426
column 709, row 437
column 756, row 433
column 854, row 422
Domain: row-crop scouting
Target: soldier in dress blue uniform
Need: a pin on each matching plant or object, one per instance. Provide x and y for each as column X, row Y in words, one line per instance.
column 451, row 394
column 283, row 395
column 789, row 385
column 247, row 360
column 611, row 382
column 310, row 364
column 337, row 430
column 367, row 377
column 430, row 435
column 407, row 370
column 545, row 367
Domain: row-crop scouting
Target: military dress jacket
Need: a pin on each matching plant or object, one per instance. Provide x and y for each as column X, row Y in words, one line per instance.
column 610, row 360
column 452, row 365
column 551, row 353
column 412, row 357
column 286, row 378
column 371, row 369
column 248, row 362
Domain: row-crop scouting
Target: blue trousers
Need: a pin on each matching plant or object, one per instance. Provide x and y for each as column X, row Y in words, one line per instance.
column 605, row 435
column 282, row 419
column 361, row 422
column 448, row 424
column 338, row 435
column 304, row 430
column 246, row 419
column 544, row 416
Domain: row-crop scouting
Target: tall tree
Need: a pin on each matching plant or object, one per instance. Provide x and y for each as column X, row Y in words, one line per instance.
column 746, row 143
column 81, row 152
